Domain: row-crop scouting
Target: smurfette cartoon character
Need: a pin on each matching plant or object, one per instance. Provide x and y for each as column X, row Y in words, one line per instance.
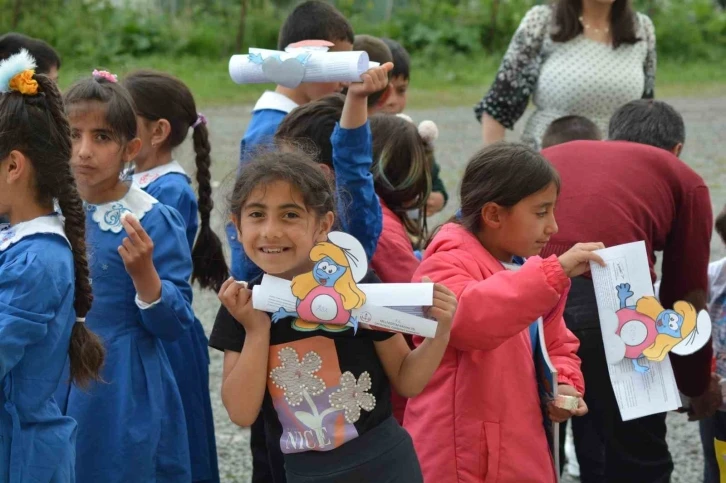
column 327, row 294
column 648, row 330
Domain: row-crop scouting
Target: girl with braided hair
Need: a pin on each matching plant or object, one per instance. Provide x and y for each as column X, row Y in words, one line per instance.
column 45, row 291
column 165, row 111
column 132, row 427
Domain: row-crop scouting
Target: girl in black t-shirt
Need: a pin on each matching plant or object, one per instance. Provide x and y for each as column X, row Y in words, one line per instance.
column 324, row 391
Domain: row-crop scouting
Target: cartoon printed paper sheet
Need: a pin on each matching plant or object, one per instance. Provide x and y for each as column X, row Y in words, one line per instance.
column 307, row 61
column 642, row 386
column 330, row 297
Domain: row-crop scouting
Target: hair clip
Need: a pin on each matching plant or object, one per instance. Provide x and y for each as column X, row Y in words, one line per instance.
column 16, row 74
column 429, row 131
column 106, row 75
column 201, row 119
column 80, row 320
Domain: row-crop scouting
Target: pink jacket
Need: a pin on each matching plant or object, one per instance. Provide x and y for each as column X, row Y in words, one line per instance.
column 479, row 418
column 394, row 261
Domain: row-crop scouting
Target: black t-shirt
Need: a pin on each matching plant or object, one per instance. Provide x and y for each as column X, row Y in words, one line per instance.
column 325, row 385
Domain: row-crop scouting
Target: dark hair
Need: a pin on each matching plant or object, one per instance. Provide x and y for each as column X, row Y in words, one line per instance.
column 401, row 168
column 570, row 128
column 377, row 51
column 647, row 121
column 45, row 56
column 313, row 122
column 120, row 109
column 721, row 224
column 314, row 20
column 295, row 168
column 37, row 127
column 401, row 59
column 161, row 96
column 622, row 22
column 502, row 173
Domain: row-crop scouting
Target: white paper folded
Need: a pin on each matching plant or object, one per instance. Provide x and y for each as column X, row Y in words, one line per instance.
column 395, row 307
column 289, row 69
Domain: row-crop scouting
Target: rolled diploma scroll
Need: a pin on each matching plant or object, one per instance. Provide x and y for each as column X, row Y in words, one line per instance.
column 320, row 67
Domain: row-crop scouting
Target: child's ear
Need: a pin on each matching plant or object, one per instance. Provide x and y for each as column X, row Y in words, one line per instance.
column 16, row 165
column 326, row 225
column 236, row 222
column 132, row 150
column 160, row 133
column 491, row 215
column 327, row 170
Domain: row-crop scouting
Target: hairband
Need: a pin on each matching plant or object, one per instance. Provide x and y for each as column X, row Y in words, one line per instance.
column 201, row 119
column 80, row 320
column 106, row 75
column 16, row 74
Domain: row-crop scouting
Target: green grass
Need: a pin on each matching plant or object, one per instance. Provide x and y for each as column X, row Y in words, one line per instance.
column 454, row 82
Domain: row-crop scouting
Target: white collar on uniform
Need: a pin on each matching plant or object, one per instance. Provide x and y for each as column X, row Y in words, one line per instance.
column 108, row 215
column 145, row 178
column 11, row 234
column 276, row 101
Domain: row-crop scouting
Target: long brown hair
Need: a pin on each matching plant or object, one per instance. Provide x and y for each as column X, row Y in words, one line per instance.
column 623, row 22
column 160, row 96
column 401, row 169
column 37, row 127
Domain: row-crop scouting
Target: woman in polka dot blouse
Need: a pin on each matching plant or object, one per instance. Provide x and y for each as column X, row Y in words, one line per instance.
column 583, row 57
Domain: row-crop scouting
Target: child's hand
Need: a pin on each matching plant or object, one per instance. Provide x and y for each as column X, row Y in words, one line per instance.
column 559, row 415
column 434, row 203
column 237, row 299
column 137, row 252
column 576, row 260
column 373, row 80
column 443, row 309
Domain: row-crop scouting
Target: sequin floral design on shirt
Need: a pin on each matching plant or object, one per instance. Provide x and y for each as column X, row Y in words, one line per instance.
column 310, row 413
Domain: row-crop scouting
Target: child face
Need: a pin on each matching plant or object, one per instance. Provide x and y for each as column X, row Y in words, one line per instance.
column 277, row 230
column 315, row 91
column 397, row 96
column 97, row 157
column 526, row 227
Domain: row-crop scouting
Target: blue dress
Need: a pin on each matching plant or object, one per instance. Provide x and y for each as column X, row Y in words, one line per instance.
column 188, row 356
column 131, row 427
column 37, row 443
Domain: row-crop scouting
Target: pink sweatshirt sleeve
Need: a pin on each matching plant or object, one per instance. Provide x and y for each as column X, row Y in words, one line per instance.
column 394, row 260
column 492, row 310
column 562, row 347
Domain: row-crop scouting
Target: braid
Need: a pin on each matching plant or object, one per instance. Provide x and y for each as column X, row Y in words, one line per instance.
column 210, row 267
column 86, row 351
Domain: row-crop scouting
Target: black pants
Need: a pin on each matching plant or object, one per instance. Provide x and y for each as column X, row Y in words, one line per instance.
column 268, row 465
column 609, row 449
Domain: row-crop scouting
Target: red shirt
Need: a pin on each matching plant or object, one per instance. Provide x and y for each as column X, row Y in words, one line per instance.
column 619, row 192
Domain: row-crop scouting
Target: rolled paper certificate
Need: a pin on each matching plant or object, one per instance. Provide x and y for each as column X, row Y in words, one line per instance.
column 569, row 403
column 290, row 69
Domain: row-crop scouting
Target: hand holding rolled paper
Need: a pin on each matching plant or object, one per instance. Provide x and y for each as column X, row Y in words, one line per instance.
column 302, row 62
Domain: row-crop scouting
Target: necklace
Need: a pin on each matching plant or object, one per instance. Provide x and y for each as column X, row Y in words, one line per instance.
column 588, row 27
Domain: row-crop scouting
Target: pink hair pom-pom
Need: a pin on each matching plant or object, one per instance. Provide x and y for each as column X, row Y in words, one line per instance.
column 106, row 75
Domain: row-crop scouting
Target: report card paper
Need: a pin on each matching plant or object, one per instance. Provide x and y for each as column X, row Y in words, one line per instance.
column 642, row 386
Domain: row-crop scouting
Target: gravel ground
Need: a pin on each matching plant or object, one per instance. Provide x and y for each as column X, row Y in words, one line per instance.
column 459, row 138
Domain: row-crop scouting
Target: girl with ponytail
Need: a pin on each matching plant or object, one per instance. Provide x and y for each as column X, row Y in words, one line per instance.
column 45, row 291
column 165, row 112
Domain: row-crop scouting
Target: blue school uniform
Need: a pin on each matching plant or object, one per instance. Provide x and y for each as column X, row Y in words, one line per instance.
column 37, row 288
column 188, row 356
column 268, row 113
column 359, row 210
column 131, row 426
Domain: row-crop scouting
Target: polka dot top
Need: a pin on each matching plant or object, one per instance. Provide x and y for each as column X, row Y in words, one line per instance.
column 579, row 77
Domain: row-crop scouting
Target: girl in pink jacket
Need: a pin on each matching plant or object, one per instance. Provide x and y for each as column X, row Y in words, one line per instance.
column 479, row 419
